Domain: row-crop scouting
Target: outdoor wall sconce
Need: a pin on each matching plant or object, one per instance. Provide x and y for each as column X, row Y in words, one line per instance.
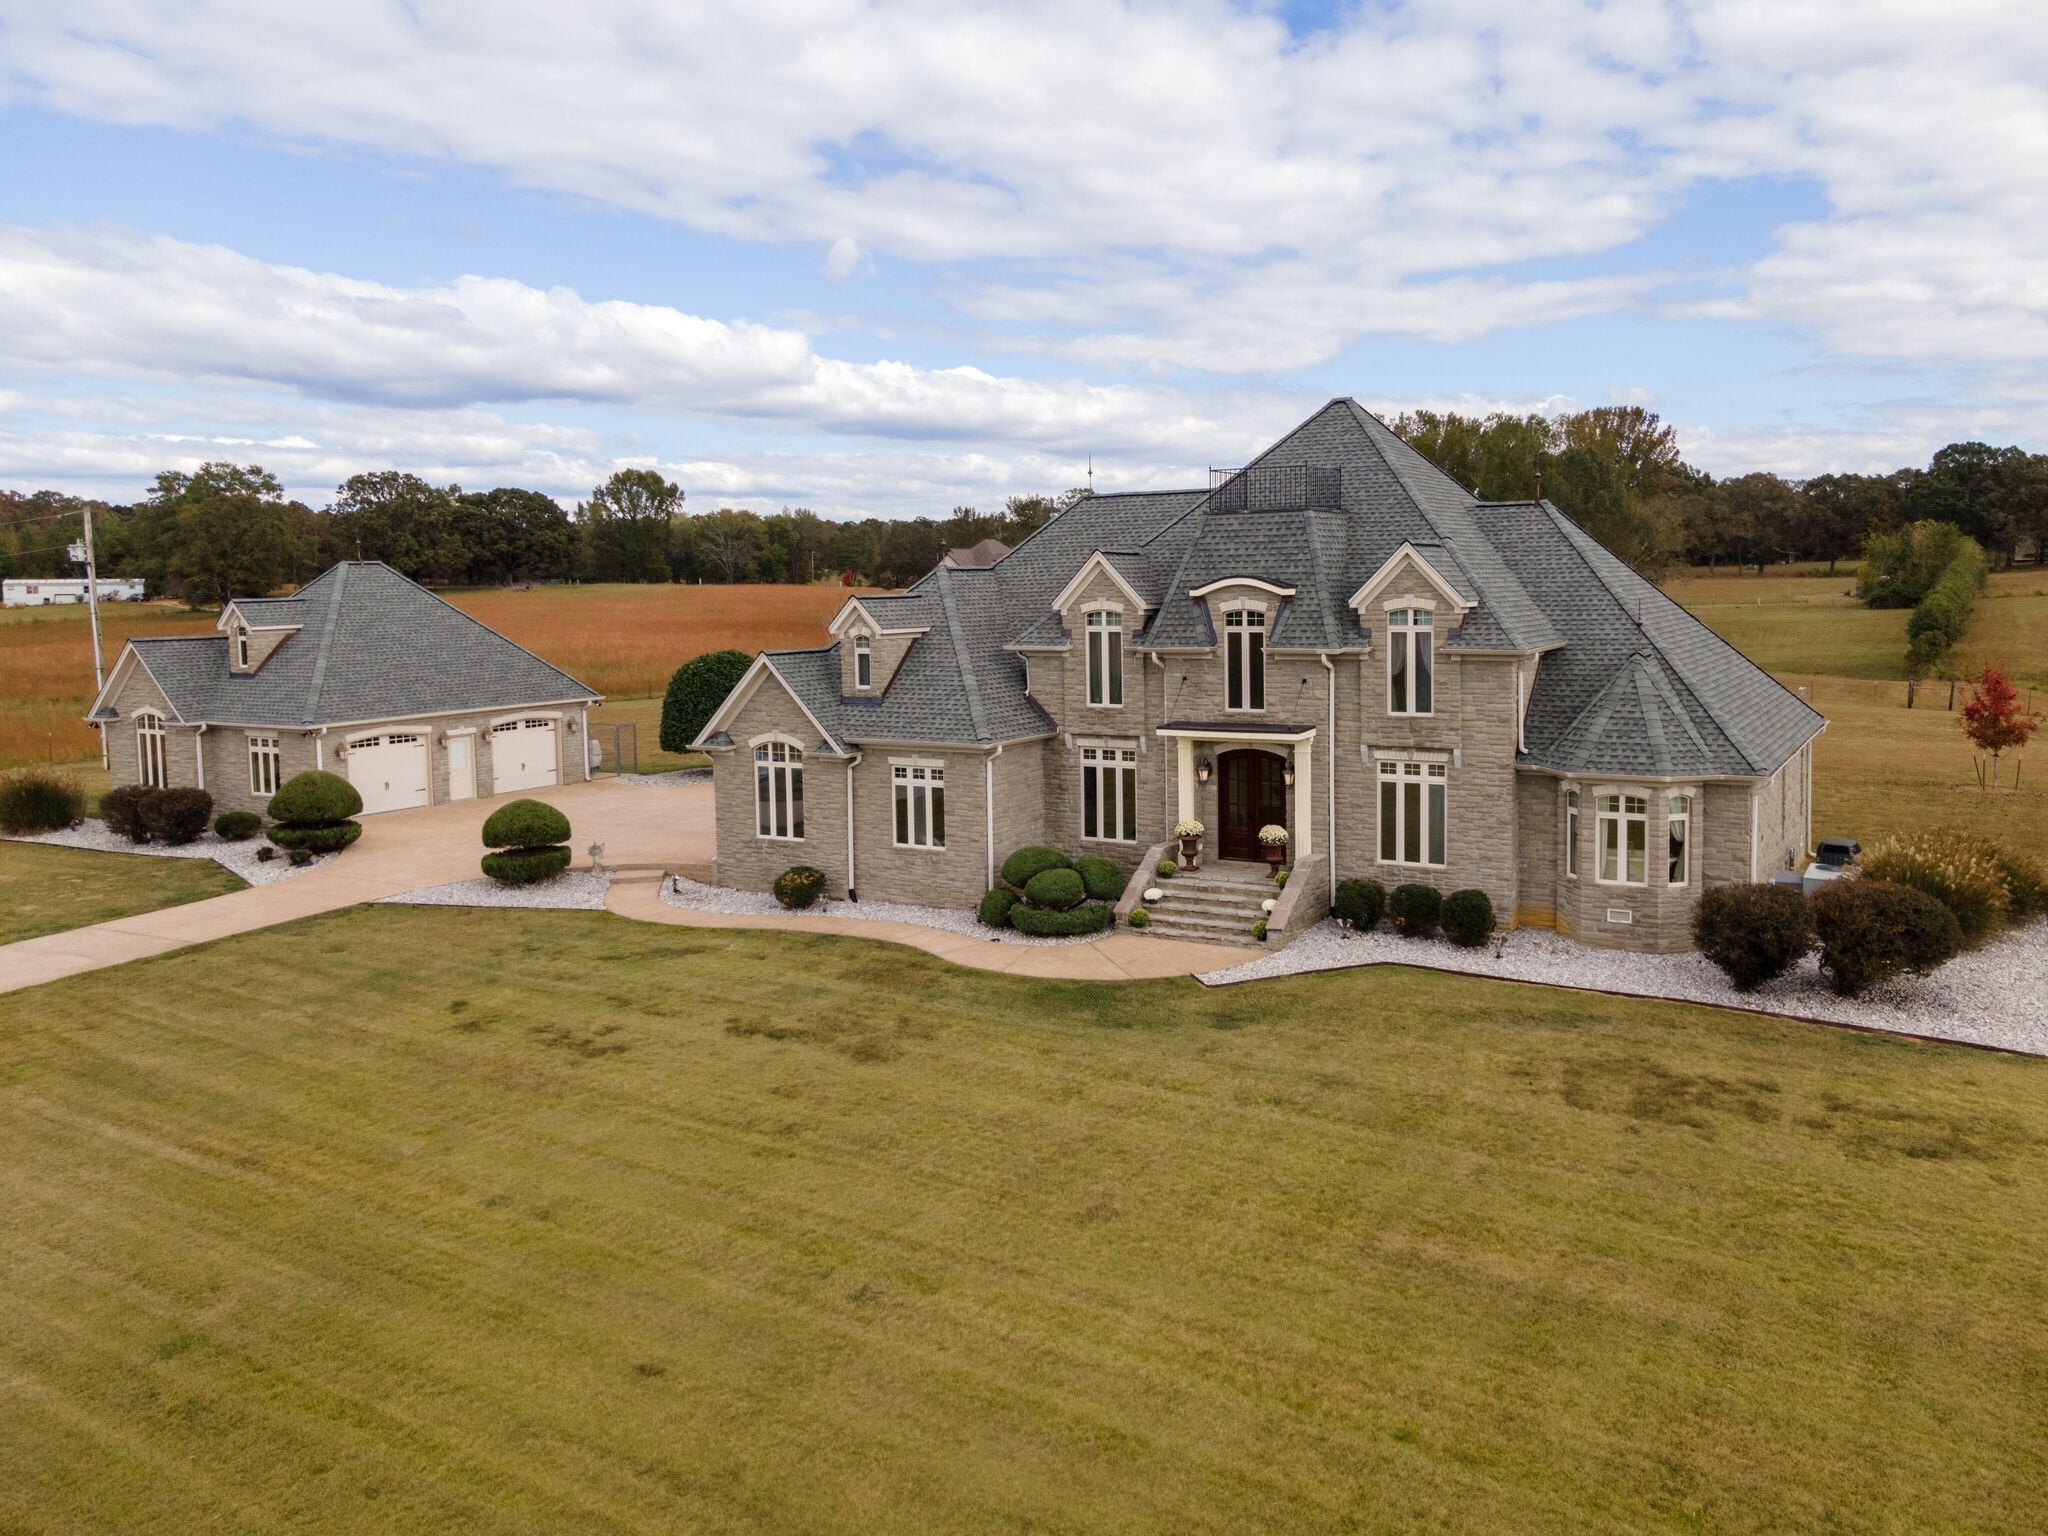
column 1203, row 768
column 1287, row 773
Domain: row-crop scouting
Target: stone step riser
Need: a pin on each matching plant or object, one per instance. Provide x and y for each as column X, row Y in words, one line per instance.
column 1200, row 935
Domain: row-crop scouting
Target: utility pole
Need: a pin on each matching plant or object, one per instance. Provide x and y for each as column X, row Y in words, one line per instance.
column 92, row 598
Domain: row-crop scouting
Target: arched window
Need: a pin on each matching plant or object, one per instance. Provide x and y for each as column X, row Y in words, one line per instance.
column 1244, row 659
column 779, row 791
column 242, row 646
column 863, row 662
column 149, row 749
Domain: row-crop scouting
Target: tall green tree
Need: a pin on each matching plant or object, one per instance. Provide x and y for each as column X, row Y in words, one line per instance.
column 400, row 519
column 628, row 527
column 509, row 534
column 230, row 533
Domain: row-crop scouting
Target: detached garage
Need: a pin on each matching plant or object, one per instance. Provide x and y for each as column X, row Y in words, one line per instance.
column 360, row 672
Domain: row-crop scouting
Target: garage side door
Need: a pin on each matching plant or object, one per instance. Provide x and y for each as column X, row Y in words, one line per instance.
column 390, row 771
column 523, row 756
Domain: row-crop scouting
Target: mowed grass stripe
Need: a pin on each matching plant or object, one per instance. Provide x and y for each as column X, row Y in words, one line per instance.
column 1378, row 1250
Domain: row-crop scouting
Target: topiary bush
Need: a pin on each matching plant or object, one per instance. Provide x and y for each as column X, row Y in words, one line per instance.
column 238, row 826
column 176, row 816
column 694, row 693
column 1468, row 918
column 994, row 910
column 1361, row 903
column 314, row 799
column 1167, row 869
column 520, row 866
column 525, row 824
column 1415, row 909
column 1872, row 929
column 1959, row 872
column 1139, row 918
column 36, row 800
column 1044, row 923
column 1754, row 933
column 1103, row 880
column 1056, row 890
column 799, row 887
column 312, row 840
column 121, row 810
column 1020, row 866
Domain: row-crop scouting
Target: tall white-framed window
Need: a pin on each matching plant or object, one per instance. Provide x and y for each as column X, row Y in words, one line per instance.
column 1623, row 825
column 1411, row 661
column 920, row 790
column 1105, row 641
column 1244, row 659
column 1414, row 806
column 863, row 662
column 149, row 749
column 264, row 763
column 242, row 646
column 1109, row 794
column 1678, row 821
column 1571, row 834
column 779, row 791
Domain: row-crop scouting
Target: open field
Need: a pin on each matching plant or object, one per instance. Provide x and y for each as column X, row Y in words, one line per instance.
column 46, row 672
column 600, row 1227
column 47, row 890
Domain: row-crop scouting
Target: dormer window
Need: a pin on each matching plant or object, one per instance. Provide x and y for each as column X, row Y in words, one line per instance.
column 1244, row 659
column 242, row 647
column 1105, row 641
column 1411, row 666
column 863, row 662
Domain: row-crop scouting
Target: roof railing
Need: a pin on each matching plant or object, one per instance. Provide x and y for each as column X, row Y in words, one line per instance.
column 1278, row 488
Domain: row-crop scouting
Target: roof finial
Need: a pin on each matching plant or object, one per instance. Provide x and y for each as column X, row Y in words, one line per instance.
column 1091, row 473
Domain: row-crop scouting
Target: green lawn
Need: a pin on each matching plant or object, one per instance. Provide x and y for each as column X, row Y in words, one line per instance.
column 593, row 1226
column 645, row 716
column 1806, row 624
column 46, row 890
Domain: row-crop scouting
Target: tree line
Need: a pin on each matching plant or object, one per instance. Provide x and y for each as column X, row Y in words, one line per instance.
column 229, row 528
column 1617, row 472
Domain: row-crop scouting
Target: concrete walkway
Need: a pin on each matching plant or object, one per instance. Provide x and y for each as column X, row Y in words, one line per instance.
column 648, row 831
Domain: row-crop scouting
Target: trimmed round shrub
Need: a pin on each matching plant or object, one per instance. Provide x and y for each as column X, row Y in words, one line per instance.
column 121, row 810
column 311, row 840
column 1020, row 866
column 1056, row 890
column 799, row 887
column 314, row 799
column 1468, row 918
column 694, row 694
column 1167, row 869
column 521, row 866
column 994, row 911
column 1139, row 918
column 525, row 824
column 1871, row 930
column 1045, row 924
column 1415, row 909
column 238, row 826
column 1754, row 933
column 1361, row 903
column 36, row 800
column 1103, row 880
column 176, row 816
column 1959, row 872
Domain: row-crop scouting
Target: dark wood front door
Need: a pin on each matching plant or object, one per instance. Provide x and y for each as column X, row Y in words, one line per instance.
column 1254, row 793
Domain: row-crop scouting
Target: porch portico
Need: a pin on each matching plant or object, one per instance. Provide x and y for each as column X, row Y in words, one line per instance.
column 1199, row 748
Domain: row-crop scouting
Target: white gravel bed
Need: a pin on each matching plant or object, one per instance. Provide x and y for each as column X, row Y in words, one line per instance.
column 679, row 892
column 238, row 858
column 1991, row 996
column 673, row 776
column 574, row 890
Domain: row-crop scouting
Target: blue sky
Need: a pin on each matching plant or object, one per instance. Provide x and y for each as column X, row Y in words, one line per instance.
column 892, row 258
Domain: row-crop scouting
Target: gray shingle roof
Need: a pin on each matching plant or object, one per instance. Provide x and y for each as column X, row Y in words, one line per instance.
column 1627, row 680
column 371, row 646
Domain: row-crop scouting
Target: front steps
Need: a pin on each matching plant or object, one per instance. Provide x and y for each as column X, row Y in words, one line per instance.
column 1210, row 907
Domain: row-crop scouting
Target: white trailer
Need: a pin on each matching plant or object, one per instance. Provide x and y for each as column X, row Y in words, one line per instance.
column 46, row 591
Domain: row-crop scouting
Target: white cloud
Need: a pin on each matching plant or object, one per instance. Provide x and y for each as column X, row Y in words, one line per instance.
column 841, row 259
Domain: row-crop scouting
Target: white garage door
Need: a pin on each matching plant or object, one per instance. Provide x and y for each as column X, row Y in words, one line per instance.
column 523, row 756
column 389, row 771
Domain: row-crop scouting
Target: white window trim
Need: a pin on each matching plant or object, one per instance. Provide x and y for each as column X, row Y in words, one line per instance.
column 776, row 770
column 241, row 648
column 1621, row 817
column 1693, row 805
column 863, row 651
column 1426, row 780
column 262, row 748
column 1237, row 605
column 149, row 725
column 1107, row 771
column 1574, row 808
column 1400, row 640
column 1089, row 631
column 900, row 771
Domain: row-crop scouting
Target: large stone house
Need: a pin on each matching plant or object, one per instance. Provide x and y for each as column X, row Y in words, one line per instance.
column 1422, row 687
column 360, row 672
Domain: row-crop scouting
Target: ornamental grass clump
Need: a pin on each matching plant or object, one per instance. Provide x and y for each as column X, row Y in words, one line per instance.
column 1871, row 930
column 1754, row 933
column 313, row 811
column 1959, row 872
column 529, row 838
column 37, row 800
column 799, row 886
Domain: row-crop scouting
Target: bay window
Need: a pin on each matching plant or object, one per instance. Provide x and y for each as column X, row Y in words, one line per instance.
column 920, row 804
column 149, row 750
column 1105, row 630
column 1413, row 802
column 1109, row 794
column 1623, row 823
column 1411, row 665
column 1244, row 659
column 779, row 791
column 1678, row 818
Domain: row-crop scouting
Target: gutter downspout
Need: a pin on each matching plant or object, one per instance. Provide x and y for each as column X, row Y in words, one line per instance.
column 988, row 804
column 199, row 751
column 1169, row 780
column 1331, row 791
column 851, row 764
column 319, row 757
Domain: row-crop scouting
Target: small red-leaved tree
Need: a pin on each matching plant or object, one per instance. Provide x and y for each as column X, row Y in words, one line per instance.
column 1996, row 721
